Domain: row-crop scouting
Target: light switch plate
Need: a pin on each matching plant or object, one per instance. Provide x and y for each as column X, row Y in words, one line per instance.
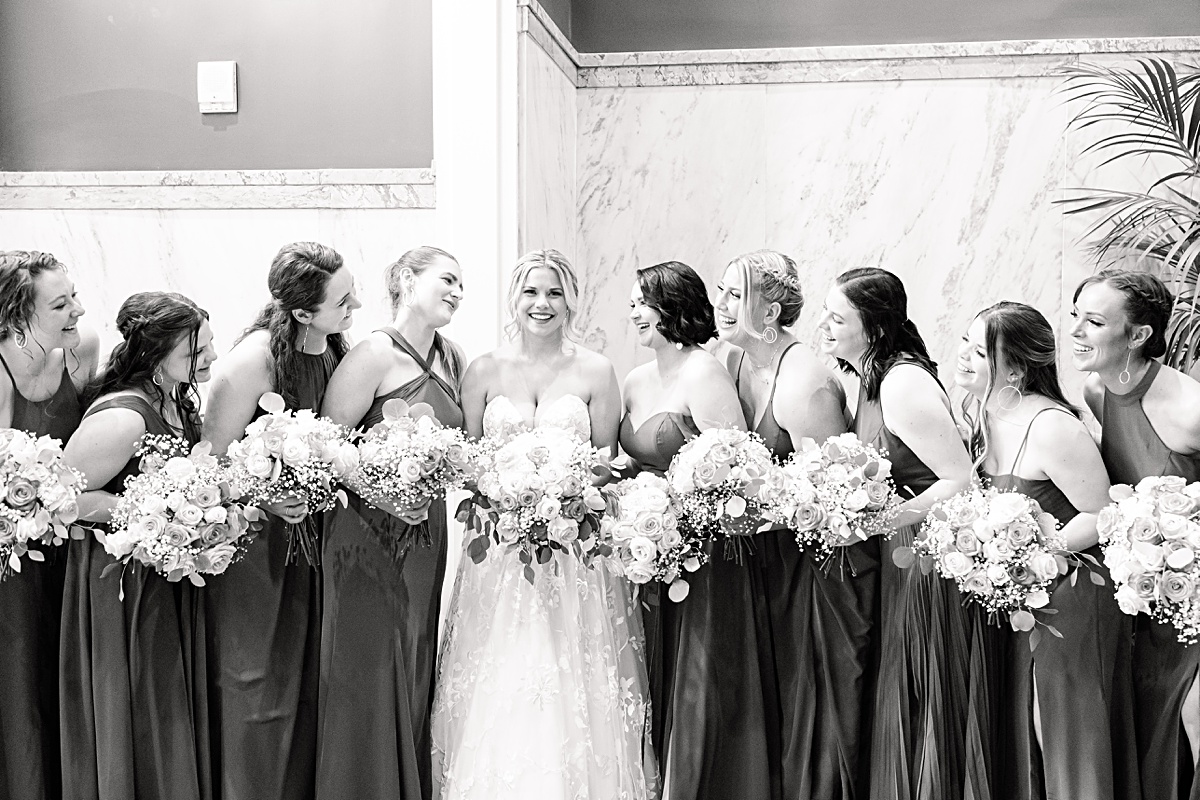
column 216, row 87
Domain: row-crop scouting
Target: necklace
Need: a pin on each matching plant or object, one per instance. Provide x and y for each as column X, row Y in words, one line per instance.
column 764, row 372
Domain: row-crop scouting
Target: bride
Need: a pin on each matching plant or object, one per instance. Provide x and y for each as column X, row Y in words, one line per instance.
column 541, row 689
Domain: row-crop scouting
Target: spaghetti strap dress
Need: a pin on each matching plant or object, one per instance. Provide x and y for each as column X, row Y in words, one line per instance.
column 1163, row 669
column 264, row 646
column 933, row 726
column 379, row 635
column 814, row 631
column 711, row 680
column 134, row 706
column 1084, row 689
column 31, row 601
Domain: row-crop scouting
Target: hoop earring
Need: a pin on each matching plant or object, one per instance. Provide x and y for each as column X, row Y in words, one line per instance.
column 1125, row 377
column 1000, row 398
column 20, row 339
column 770, row 335
column 157, row 378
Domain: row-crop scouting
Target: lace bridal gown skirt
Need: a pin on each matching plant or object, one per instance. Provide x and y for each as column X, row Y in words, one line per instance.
column 542, row 689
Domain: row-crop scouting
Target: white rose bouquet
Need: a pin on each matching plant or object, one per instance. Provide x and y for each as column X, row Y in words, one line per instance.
column 1001, row 549
column 535, row 496
column 834, row 494
column 717, row 477
column 1150, row 535
column 409, row 459
column 647, row 541
column 39, row 500
column 179, row 516
column 286, row 453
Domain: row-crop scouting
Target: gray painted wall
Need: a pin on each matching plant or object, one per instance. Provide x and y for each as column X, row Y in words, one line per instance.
column 111, row 84
column 605, row 26
column 560, row 12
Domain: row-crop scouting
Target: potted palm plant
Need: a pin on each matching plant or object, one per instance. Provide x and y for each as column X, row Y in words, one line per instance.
column 1149, row 113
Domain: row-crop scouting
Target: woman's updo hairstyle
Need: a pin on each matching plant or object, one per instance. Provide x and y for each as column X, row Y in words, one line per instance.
column 151, row 324
column 1147, row 302
column 298, row 277
column 558, row 264
column 882, row 304
column 19, row 270
column 679, row 295
column 415, row 261
column 769, row 277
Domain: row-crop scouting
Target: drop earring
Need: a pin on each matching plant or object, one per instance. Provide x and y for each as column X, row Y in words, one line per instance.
column 20, row 339
column 770, row 335
column 1125, row 377
column 304, row 341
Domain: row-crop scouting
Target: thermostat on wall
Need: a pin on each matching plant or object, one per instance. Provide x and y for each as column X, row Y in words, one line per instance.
column 216, row 87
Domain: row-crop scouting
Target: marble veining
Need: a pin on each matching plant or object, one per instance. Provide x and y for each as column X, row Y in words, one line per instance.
column 533, row 22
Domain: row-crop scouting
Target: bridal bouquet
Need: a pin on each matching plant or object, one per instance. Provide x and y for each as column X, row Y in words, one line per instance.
column 39, row 500
column 536, row 497
column 1150, row 535
column 179, row 516
column 717, row 478
column 832, row 495
column 409, row 458
column 293, row 453
column 648, row 544
column 1000, row 548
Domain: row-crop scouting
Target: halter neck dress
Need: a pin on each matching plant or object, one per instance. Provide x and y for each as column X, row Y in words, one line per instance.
column 1083, row 679
column 1163, row 669
column 710, row 676
column 264, row 645
column 133, row 683
column 814, row 636
column 381, row 609
column 932, row 724
column 29, row 628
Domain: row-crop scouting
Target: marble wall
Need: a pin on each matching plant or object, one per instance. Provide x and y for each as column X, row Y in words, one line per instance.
column 939, row 162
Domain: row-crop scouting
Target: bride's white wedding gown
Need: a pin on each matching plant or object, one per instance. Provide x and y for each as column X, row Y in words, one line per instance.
column 542, row 690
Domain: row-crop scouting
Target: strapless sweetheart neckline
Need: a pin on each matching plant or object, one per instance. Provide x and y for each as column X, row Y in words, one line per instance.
column 502, row 419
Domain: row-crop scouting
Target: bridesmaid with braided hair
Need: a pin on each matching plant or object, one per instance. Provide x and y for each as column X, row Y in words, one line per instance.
column 1150, row 426
column 134, row 707
column 47, row 360
column 264, row 616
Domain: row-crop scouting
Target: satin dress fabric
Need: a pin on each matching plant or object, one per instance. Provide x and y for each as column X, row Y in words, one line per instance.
column 30, row 622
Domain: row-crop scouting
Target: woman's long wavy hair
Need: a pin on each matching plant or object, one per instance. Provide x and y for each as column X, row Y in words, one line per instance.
column 1023, row 337
column 298, row 278
column 882, row 304
column 151, row 325
column 19, row 271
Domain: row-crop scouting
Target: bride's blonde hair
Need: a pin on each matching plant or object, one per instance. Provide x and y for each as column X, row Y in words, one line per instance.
column 558, row 264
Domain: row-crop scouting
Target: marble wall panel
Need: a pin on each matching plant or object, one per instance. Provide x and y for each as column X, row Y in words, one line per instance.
column 546, row 150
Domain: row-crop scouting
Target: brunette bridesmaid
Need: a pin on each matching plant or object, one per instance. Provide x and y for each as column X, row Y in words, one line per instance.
column 264, row 615
column 922, row 698
column 703, row 655
column 1150, row 426
column 813, row 619
column 1069, row 712
column 134, row 708
column 47, row 361
column 383, row 586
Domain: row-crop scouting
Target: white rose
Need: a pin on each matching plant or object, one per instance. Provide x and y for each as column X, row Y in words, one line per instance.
column 1130, row 603
column 955, row 564
column 548, row 508
column 216, row 514
column 642, row 550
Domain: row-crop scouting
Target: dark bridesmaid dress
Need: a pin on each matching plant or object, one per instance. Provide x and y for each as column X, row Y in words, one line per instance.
column 264, row 647
column 30, row 616
column 1084, row 689
column 134, row 709
column 1163, row 669
column 933, row 729
column 379, row 637
column 709, row 671
column 814, row 634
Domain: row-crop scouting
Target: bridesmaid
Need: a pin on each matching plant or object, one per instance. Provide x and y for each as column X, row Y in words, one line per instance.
column 703, row 656
column 920, row 720
column 1069, row 702
column 379, row 637
column 1150, row 421
column 264, row 616
column 814, row 620
column 134, row 708
column 47, row 361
